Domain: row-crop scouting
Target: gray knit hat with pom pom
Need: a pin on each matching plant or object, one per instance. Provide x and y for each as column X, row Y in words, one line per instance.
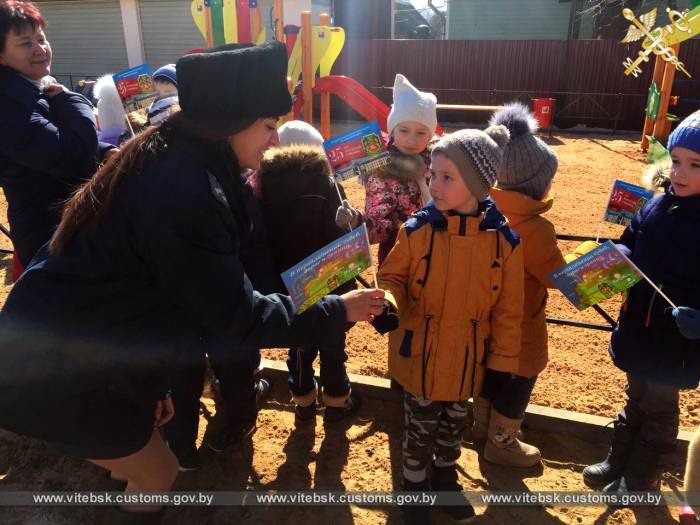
column 528, row 164
column 477, row 155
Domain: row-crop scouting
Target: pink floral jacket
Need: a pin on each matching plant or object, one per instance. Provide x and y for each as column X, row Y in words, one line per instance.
column 388, row 204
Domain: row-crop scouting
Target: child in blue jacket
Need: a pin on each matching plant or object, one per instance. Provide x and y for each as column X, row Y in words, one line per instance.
column 658, row 350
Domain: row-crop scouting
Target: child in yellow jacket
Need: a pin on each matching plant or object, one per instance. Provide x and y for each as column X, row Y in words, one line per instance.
column 522, row 195
column 455, row 279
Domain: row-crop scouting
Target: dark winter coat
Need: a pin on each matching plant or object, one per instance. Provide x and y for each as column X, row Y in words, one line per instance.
column 48, row 146
column 161, row 272
column 664, row 241
column 299, row 201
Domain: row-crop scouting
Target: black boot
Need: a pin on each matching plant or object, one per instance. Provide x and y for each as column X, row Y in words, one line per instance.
column 416, row 514
column 612, row 467
column 643, row 470
column 444, row 479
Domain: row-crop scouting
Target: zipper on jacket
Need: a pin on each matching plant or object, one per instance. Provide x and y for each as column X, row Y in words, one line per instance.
column 462, row 225
column 425, row 358
column 427, row 258
column 475, row 324
column 647, row 322
column 466, row 360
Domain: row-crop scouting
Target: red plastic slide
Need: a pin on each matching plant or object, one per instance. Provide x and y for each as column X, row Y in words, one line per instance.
column 356, row 96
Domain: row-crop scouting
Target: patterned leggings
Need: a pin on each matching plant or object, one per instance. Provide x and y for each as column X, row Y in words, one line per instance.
column 431, row 427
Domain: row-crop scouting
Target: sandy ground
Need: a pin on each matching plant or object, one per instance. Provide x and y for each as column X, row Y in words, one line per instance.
column 366, row 456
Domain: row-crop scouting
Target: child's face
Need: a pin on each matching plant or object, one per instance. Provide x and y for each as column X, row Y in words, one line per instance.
column 448, row 189
column 685, row 171
column 163, row 87
column 411, row 137
column 251, row 144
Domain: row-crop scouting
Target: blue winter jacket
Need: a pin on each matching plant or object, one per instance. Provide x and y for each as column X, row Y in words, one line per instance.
column 48, row 146
column 664, row 241
column 159, row 274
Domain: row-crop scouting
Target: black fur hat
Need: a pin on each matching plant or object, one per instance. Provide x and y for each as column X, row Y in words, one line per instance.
column 227, row 85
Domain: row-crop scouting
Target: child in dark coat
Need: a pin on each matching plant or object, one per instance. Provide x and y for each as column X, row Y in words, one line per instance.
column 658, row 353
column 299, row 202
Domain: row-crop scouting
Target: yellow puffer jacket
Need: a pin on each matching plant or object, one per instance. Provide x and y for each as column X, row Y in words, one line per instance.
column 457, row 283
column 541, row 256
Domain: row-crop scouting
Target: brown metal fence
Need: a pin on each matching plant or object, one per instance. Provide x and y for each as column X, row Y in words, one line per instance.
column 586, row 77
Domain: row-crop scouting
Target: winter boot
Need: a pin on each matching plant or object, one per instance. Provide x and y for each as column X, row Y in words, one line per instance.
column 503, row 446
column 478, row 432
column 444, row 479
column 416, row 514
column 612, row 467
column 642, row 471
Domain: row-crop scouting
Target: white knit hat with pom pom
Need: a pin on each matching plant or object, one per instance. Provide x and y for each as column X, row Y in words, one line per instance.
column 109, row 106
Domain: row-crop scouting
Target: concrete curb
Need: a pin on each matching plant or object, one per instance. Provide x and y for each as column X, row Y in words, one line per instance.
column 588, row 427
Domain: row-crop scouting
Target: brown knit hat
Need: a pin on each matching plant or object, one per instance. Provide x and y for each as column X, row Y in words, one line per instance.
column 477, row 155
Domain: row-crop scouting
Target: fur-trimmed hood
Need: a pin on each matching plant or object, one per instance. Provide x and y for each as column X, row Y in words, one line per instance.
column 658, row 175
column 289, row 172
column 403, row 167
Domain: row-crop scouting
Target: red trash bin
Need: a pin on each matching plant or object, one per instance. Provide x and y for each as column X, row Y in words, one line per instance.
column 543, row 108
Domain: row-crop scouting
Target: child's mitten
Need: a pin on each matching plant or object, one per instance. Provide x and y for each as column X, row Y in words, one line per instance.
column 581, row 249
column 688, row 321
column 346, row 214
column 387, row 321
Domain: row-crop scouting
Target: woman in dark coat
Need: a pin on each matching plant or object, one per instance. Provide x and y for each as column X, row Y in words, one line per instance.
column 48, row 138
column 144, row 264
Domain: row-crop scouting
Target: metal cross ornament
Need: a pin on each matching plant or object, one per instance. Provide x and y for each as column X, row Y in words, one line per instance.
column 658, row 41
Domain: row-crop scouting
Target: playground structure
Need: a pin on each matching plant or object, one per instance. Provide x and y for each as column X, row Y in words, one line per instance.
column 664, row 42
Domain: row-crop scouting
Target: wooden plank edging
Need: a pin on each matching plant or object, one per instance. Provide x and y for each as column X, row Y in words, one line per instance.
column 596, row 429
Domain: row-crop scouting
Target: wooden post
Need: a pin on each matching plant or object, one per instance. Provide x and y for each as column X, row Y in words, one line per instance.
column 255, row 24
column 648, row 121
column 661, row 127
column 278, row 14
column 208, row 25
column 325, row 20
column 307, row 75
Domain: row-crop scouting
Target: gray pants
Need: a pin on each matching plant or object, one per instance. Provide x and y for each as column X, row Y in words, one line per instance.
column 431, row 427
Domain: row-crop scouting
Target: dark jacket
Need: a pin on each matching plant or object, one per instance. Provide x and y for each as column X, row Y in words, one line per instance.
column 255, row 250
column 48, row 146
column 664, row 241
column 299, row 201
column 158, row 273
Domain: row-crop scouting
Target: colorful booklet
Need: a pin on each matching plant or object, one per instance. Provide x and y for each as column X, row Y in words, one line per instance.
column 625, row 201
column 326, row 269
column 596, row 276
column 358, row 151
column 136, row 88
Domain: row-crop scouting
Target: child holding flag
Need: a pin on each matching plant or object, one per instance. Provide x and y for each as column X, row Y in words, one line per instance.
column 658, row 346
column 397, row 191
column 299, row 201
column 524, row 180
column 455, row 278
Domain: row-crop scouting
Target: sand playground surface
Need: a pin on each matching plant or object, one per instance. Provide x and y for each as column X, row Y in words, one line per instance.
column 365, row 455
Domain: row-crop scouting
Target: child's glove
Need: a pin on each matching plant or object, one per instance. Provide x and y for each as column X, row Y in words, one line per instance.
column 688, row 321
column 346, row 214
column 581, row 249
column 387, row 321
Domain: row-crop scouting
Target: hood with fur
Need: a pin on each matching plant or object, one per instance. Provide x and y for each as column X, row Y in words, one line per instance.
column 658, row 175
column 403, row 167
column 289, row 172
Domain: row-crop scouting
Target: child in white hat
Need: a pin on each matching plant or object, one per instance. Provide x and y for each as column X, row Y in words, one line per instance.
column 398, row 190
